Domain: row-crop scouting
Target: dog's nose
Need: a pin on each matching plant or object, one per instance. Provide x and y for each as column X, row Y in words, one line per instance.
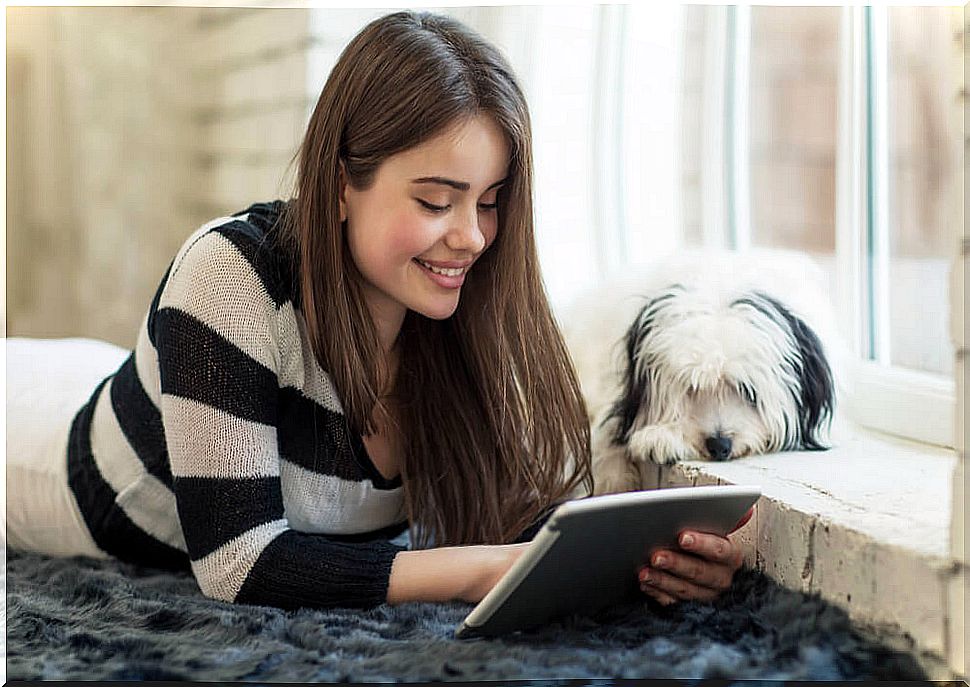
column 719, row 446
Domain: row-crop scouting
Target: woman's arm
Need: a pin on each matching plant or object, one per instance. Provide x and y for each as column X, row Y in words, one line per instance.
column 462, row 573
column 466, row 573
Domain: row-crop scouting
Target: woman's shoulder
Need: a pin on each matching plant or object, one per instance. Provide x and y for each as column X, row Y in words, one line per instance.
column 262, row 217
column 251, row 234
column 257, row 227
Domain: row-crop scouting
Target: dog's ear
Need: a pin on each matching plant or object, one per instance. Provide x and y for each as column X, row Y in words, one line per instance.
column 636, row 373
column 817, row 400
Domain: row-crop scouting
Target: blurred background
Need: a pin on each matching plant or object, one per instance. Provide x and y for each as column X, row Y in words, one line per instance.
column 835, row 131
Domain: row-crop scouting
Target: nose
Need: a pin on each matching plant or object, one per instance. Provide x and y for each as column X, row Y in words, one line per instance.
column 466, row 235
column 719, row 446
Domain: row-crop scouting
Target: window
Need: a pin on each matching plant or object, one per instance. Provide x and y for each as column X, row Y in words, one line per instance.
column 836, row 132
column 910, row 79
column 922, row 149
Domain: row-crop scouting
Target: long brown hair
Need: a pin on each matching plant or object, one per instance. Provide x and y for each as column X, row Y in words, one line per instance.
column 488, row 402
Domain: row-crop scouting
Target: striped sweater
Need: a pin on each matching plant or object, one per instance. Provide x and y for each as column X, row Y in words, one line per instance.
column 220, row 445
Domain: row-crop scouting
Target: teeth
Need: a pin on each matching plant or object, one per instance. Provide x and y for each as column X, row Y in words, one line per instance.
column 447, row 271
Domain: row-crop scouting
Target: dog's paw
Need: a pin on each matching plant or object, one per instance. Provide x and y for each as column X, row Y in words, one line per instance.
column 665, row 458
column 660, row 444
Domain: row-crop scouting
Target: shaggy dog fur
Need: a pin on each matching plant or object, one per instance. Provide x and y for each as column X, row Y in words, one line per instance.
column 705, row 356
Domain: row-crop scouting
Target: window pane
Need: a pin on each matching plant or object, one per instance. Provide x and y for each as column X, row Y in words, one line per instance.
column 562, row 43
column 924, row 152
column 793, row 128
column 650, row 123
column 694, row 117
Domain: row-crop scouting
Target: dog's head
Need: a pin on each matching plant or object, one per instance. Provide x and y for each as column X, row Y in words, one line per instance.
column 714, row 379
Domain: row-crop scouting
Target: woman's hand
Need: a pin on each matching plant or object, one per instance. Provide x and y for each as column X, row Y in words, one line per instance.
column 701, row 570
column 495, row 562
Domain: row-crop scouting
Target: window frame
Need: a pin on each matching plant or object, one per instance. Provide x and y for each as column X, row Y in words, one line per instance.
column 889, row 398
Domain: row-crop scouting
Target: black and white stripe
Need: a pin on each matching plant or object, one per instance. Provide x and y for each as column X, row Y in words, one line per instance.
column 221, row 445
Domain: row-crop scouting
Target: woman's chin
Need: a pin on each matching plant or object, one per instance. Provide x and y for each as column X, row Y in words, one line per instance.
column 438, row 311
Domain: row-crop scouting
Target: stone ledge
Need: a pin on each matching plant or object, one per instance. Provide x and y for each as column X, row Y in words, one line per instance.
column 865, row 525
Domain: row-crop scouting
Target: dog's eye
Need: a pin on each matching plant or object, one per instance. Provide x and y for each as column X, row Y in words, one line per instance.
column 747, row 393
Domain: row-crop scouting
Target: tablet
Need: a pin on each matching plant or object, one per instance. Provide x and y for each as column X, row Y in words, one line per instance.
column 587, row 554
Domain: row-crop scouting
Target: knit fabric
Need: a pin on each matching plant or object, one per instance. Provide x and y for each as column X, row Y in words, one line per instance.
column 220, row 444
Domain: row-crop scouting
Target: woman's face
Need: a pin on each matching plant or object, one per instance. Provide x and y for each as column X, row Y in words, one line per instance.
column 430, row 208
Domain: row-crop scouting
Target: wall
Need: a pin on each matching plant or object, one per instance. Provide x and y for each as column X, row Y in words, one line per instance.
column 100, row 166
column 128, row 128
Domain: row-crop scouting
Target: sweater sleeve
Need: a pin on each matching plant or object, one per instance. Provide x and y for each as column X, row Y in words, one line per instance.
column 216, row 336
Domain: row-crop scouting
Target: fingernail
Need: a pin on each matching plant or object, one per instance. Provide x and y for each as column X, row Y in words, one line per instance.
column 645, row 578
column 660, row 562
column 687, row 541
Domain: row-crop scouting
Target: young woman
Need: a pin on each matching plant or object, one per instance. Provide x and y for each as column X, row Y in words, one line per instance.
column 315, row 376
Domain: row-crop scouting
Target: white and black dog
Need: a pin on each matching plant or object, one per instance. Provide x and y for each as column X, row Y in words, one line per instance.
column 718, row 361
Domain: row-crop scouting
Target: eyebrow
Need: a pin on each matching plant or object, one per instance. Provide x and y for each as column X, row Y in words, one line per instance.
column 460, row 185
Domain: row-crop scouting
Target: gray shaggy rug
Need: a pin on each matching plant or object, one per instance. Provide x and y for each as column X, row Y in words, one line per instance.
column 85, row 619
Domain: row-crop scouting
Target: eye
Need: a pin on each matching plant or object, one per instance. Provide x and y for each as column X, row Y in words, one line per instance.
column 488, row 206
column 747, row 393
column 432, row 208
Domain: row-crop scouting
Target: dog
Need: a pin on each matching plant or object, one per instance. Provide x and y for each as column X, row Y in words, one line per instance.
column 707, row 355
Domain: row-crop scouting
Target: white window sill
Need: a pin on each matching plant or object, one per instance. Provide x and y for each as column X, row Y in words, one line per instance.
column 865, row 524
column 893, row 490
column 896, row 400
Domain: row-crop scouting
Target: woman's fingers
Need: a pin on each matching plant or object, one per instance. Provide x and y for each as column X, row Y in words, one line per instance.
column 701, row 572
column 713, row 547
column 663, row 598
column 672, row 586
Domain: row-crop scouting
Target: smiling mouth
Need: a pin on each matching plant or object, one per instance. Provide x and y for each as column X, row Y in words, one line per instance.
column 441, row 277
column 444, row 271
